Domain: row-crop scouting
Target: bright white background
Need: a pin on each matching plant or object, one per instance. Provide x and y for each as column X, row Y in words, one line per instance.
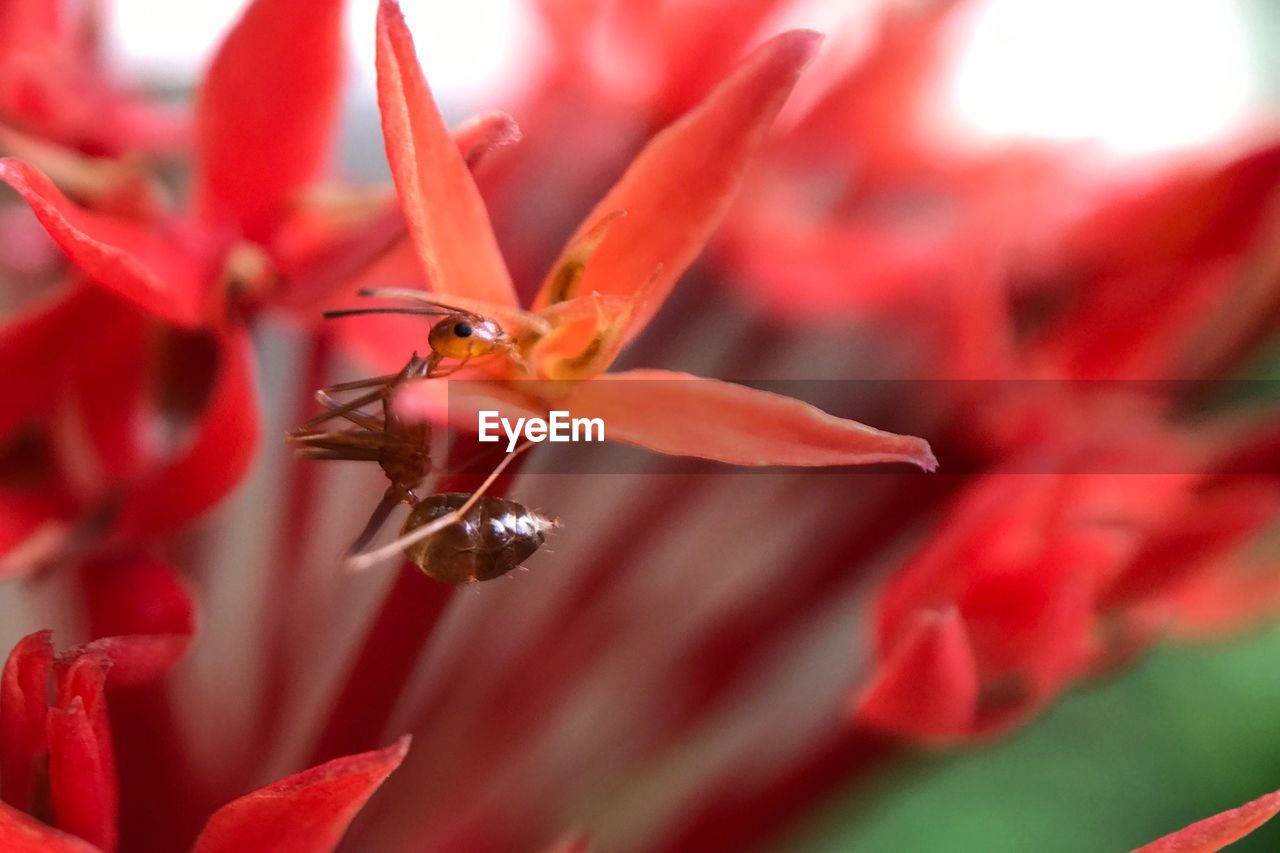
column 1142, row 75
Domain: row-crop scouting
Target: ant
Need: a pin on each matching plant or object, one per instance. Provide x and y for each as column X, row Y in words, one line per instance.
column 453, row 537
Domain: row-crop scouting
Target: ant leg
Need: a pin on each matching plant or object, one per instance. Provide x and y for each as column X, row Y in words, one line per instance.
column 360, row 419
column 329, row 455
column 393, row 498
column 340, row 410
column 385, row 384
column 360, row 562
column 433, row 373
column 357, row 384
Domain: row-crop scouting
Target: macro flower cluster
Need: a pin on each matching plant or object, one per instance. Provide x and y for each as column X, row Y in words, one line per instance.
column 703, row 658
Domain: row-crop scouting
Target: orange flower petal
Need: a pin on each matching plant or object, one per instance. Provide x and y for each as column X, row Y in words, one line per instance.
column 684, row 415
column 1216, row 832
column 677, row 414
column 446, row 216
column 481, row 134
column 678, row 188
column 587, row 334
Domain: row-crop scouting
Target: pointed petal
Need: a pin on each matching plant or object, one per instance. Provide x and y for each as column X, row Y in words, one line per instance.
column 218, row 456
column 677, row 414
column 23, row 707
column 929, row 686
column 20, row 833
column 684, row 415
column 446, row 216
column 141, row 615
column 266, row 111
column 82, row 776
column 312, row 809
column 136, row 264
column 1214, row 833
column 677, row 190
column 482, row 134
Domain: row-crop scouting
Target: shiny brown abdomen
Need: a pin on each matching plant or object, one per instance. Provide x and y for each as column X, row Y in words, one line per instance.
column 496, row 536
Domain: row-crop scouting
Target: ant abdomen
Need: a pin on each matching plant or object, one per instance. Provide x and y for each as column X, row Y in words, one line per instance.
column 494, row 537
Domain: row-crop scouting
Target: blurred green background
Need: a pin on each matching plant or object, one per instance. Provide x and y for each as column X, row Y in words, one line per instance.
column 1186, row 733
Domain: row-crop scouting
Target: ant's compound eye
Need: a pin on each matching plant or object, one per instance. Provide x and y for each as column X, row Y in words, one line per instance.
column 462, row 330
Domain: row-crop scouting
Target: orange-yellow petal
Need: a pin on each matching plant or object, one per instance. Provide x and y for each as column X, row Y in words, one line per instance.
column 586, row 335
column 446, row 216
column 683, row 415
column 678, row 188
column 676, row 414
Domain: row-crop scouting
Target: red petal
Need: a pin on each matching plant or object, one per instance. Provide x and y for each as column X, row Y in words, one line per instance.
column 141, row 616
column 678, row 188
column 684, row 415
column 1216, row 832
column 266, row 111
column 1181, row 216
column 82, row 776
column 446, row 216
column 479, row 135
column 22, row 834
column 1218, row 521
column 929, row 686
column 218, row 456
column 311, row 809
column 138, row 265
column 23, row 706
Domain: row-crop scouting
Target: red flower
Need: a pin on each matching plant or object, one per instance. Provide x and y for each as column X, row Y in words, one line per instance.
column 54, row 85
column 181, row 285
column 59, row 785
column 552, row 702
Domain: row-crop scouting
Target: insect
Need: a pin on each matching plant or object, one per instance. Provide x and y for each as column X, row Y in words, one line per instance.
column 461, row 335
column 453, row 537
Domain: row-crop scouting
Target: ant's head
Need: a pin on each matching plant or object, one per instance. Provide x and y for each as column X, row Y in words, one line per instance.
column 465, row 336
